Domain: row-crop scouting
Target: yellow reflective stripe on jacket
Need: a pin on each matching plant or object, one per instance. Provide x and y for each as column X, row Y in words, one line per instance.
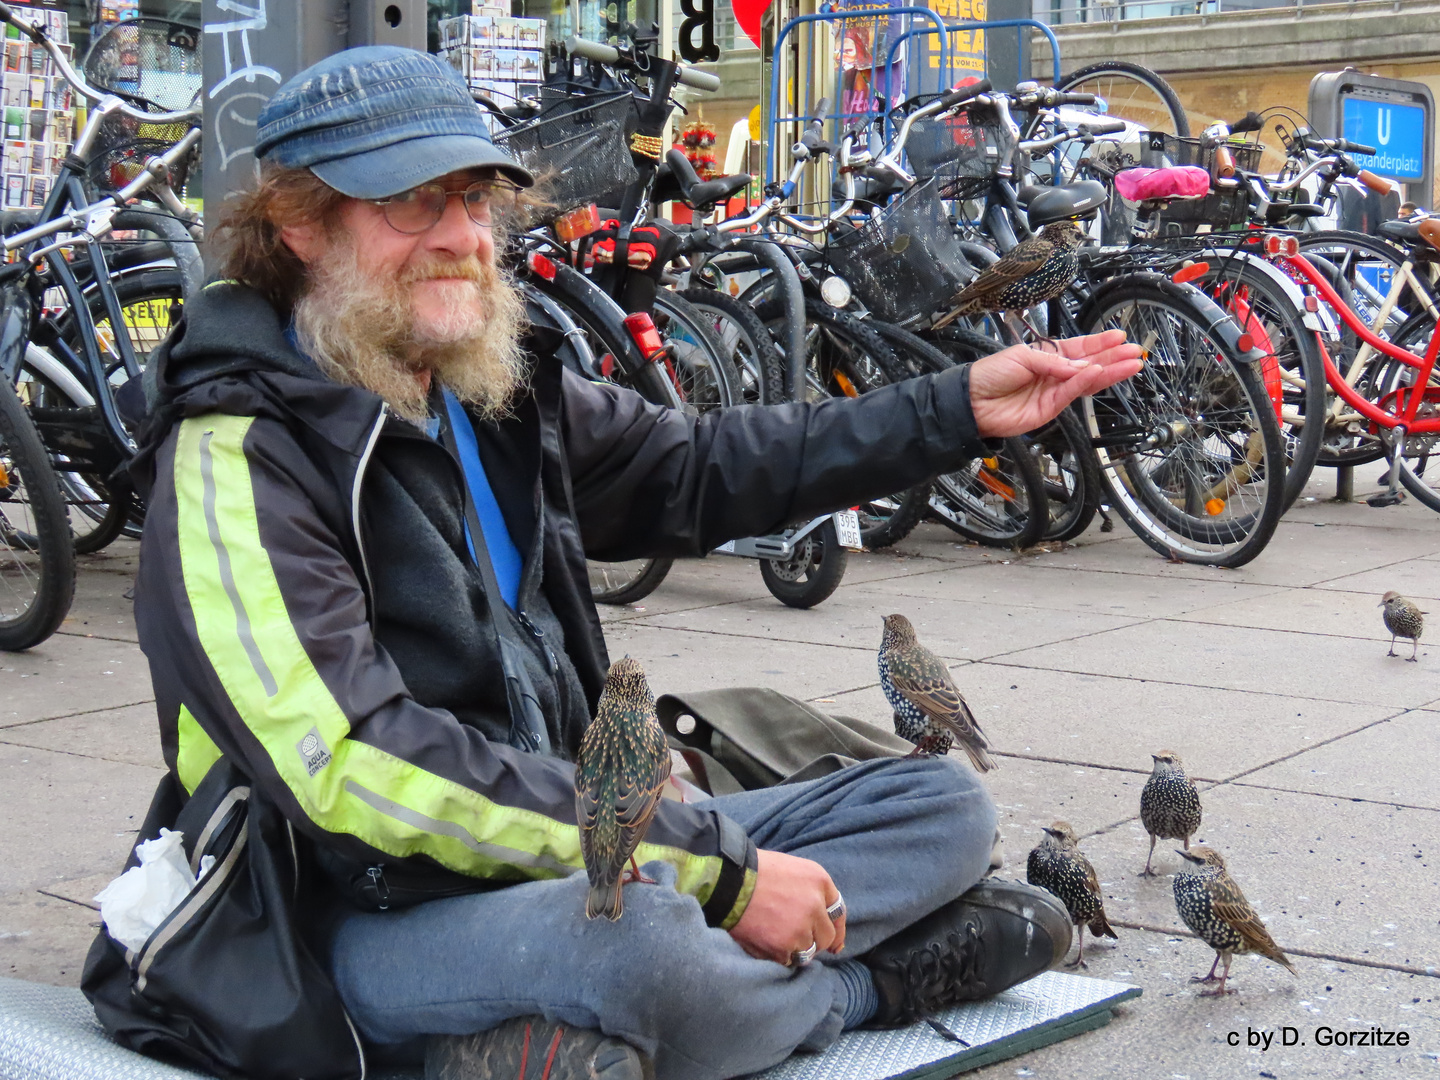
column 342, row 785
column 197, row 751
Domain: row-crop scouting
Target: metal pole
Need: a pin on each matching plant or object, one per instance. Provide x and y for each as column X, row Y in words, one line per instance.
column 1345, row 483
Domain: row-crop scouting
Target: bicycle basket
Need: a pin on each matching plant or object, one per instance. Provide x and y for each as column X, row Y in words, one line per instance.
column 906, row 262
column 154, row 64
column 961, row 147
column 576, row 146
column 1161, row 148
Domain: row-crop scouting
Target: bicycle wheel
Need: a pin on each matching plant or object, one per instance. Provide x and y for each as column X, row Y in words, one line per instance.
column 999, row 501
column 847, row 357
column 37, row 558
column 81, row 448
column 754, row 358
column 1293, row 370
column 1189, row 449
column 1071, row 477
column 698, row 363
column 1362, row 270
column 626, row 582
column 812, row 572
column 1131, row 92
column 1418, row 473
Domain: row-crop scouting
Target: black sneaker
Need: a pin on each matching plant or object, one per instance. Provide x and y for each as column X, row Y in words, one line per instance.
column 533, row 1048
column 998, row 934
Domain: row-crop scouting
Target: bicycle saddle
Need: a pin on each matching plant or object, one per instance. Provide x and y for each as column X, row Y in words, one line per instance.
column 1053, row 204
column 703, row 194
column 870, row 189
column 1277, row 212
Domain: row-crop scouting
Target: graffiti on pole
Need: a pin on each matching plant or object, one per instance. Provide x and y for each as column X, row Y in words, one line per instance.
column 237, row 98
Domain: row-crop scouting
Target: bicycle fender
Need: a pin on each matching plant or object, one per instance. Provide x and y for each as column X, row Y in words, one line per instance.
column 1208, row 313
column 1318, row 321
column 17, row 312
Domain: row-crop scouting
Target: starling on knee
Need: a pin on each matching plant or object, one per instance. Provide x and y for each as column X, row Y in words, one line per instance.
column 620, row 771
column 929, row 710
column 1402, row 619
column 1058, row 866
column 1033, row 272
column 1169, row 804
column 1213, row 906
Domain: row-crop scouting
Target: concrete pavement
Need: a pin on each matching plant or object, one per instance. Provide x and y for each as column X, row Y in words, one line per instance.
column 1315, row 752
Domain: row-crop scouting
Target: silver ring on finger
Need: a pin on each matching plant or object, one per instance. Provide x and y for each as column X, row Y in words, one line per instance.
column 801, row 957
column 836, row 911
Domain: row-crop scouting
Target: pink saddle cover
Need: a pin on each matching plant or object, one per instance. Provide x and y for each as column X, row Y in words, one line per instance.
column 1176, row 181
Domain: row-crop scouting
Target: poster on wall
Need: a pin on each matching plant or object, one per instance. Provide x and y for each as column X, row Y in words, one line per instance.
column 901, row 55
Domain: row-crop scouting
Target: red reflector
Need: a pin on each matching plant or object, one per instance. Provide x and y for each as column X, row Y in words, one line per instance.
column 1312, row 304
column 1285, row 246
column 607, row 365
column 1190, row 273
column 1245, row 343
column 542, row 266
column 643, row 332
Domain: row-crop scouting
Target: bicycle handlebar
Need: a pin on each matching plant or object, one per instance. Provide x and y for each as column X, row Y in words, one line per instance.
column 964, row 93
column 608, row 54
column 1251, row 121
column 1377, row 184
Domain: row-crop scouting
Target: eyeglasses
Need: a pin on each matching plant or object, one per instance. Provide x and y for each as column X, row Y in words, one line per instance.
column 412, row 212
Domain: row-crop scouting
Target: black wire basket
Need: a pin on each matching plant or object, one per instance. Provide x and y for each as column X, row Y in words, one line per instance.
column 907, row 261
column 1160, row 148
column 577, row 146
column 153, row 64
column 962, row 151
column 1222, row 210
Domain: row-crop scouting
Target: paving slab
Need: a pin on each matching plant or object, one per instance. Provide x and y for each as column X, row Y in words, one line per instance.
column 1244, row 658
column 1030, row 582
column 1171, row 1032
column 1389, row 762
column 1119, row 722
column 69, row 674
column 1329, row 875
column 67, row 816
column 1300, row 554
column 130, row 735
column 101, row 607
column 1416, row 578
column 1320, row 609
column 954, row 629
column 677, row 660
column 44, row 939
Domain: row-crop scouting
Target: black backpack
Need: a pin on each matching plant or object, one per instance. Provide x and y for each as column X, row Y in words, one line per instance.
column 227, row 983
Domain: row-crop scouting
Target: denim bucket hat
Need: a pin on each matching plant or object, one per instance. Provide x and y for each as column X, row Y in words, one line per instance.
column 375, row 121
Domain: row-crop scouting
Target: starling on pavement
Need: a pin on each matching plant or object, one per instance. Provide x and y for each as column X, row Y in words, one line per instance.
column 1169, row 805
column 1034, row 271
column 1212, row 905
column 1402, row 619
column 929, row 711
column 1058, row 866
column 622, row 767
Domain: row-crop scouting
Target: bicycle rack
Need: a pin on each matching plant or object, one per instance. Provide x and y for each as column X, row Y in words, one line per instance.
column 945, row 73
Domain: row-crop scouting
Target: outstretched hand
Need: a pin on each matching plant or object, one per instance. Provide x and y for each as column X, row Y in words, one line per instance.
column 1020, row 388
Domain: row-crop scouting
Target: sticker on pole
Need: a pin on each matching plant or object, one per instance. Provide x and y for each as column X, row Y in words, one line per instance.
column 847, row 529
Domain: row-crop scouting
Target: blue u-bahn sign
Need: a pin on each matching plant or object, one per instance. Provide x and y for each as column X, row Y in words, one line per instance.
column 1396, row 130
column 1394, row 116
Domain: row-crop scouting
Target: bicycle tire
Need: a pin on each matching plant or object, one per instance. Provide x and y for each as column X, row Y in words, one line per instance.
column 1140, row 75
column 1341, row 445
column 1264, row 310
column 30, row 481
column 1221, row 439
column 812, row 574
column 698, row 361
column 1394, row 375
column 756, row 358
column 999, row 500
column 626, row 582
column 1071, row 477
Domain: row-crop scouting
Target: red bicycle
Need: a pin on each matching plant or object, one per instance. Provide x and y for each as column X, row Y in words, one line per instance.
column 1403, row 408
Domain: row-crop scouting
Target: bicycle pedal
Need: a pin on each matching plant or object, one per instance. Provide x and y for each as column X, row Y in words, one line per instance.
column 1385, row 498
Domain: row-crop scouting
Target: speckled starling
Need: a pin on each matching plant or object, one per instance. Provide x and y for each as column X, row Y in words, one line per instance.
column 1402, row 619
column 1169, row 805
column 1058, row 866
column 622, row 767
column 929, row 711
column 1214, row 907
column 1034, row 271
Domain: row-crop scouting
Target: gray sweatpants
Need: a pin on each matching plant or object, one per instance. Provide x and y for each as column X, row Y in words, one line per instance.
column 900, row 837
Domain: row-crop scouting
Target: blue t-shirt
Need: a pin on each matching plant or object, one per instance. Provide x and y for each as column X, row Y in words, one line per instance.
column 504, row 555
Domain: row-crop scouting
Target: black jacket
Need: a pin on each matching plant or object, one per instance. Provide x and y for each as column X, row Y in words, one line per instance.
column 309, row 608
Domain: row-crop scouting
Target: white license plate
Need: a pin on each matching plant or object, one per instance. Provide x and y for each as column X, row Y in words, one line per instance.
column 847, row 528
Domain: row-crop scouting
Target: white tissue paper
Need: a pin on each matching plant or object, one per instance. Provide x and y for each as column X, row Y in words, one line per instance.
column 136, row 903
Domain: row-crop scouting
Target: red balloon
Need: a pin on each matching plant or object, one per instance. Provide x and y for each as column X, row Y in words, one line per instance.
column 747, row 15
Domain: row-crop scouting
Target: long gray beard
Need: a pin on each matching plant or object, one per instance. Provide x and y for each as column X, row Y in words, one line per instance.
column 361, row 331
